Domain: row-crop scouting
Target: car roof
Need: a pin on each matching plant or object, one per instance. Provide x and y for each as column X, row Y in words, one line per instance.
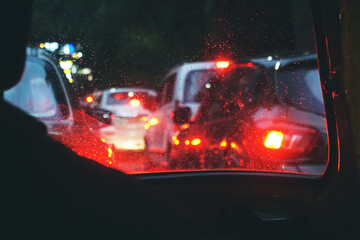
column 119, row 90
column 190, row 66
column 202, row 65
column 287, row 61
column 205, row 64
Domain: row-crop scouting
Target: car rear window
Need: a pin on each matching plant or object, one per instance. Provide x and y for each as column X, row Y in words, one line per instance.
column 123, row 98
column 299, row 86
column 228, row 94
column 196, row 80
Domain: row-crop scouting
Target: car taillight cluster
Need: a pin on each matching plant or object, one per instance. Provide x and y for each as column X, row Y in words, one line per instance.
column 294, row 141
column 274, row 139
column 187, row 142
column 225, row 144
column 282, row 141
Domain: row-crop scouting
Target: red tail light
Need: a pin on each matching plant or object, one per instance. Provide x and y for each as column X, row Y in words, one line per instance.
column 223, row 144
column 195, row 142
column 282, row 140
column 187, row 142
column 185, row 126
column 175, row 140
column 89, row 99
column 119, row 96
column 298, row 141
column 109, row 152
column 251, row 65
column 274, row 139
column 151, row 122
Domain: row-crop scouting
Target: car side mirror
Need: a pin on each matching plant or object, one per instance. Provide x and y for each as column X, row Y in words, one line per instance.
column 182, row 115
column 101, row 115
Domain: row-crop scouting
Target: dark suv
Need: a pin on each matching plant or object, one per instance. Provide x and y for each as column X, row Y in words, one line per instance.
column 250, row 121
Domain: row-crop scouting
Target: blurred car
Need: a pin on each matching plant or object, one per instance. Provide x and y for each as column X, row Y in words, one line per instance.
column 249, row 121
column 42, row 94
column 179, row 88
column 84, row 137
column 130, row 113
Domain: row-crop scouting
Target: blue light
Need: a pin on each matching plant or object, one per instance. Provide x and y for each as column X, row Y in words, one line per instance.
column 69, row 48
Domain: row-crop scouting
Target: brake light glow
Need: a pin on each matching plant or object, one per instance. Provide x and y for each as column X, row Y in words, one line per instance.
column 195, row 142
column 89, row 99
column 109, row 152
column 281, row 140
column 222, row 64
column 143, row 118
column 175, row 140
column 274, row 139
column 119, row 96
column 185, row 126
column 223, row 144
column 151, row 122
column 236, row 147
column 154, row 121
column 187, row 142
column 251, row 65
column 134, row 103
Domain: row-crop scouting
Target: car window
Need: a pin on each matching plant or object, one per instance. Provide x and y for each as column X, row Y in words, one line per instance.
column 216, row 107
column 299, row 86
column 194, row 81
column 230, row 95
column 249, row 66
column 123, row 98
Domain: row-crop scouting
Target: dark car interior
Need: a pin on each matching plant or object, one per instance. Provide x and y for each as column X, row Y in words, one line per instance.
column 48, row 191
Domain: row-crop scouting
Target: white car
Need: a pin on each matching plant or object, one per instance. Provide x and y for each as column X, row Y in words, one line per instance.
column 129, row 115
column 179, row 88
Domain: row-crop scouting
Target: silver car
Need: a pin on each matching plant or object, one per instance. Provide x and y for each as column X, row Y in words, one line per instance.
column 129, row 115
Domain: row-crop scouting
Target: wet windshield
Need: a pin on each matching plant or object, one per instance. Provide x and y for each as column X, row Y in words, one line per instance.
column 164, row 86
